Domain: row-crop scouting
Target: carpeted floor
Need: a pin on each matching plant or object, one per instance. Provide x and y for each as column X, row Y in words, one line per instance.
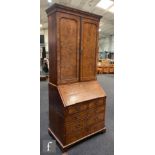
column 100, row 144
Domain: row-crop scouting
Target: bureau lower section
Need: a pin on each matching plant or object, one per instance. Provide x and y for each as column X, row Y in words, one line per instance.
column 70, row 123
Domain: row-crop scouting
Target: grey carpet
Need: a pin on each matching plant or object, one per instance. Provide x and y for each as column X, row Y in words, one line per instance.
column 100, row 144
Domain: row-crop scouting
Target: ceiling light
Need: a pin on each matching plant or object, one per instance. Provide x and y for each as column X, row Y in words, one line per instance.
column 111, row 9
column 99, row 30
column 49, row 1
column 41, row 25
column 104, row 4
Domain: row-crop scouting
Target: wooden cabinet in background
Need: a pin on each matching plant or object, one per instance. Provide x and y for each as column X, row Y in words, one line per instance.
column 76, row 100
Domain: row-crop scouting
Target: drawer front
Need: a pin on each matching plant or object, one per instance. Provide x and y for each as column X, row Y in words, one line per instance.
column 100, row 109
column 91, row 112
column 81, row 125
column 77, row 108
column 94, row 128
column 88, row 114
column 96, row 103
column 76, row 117
column 83, row 128
column 99, row 102
column 73, row 136
column 99, row 117
column 84, row 119
column 98, row 126
column 91, row 121
column 74, row 127
column 83, row 115
column 95, row 118
column 77, row 134
column 73, row 109
column 92, row 104
column 85, row 106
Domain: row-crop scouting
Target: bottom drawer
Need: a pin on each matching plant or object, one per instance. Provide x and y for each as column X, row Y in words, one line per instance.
column 75, row 127
column 74, row 136
column 94, row 128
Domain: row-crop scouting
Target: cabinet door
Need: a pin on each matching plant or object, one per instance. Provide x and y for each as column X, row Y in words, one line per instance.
column 68, row 33
column 89, row 44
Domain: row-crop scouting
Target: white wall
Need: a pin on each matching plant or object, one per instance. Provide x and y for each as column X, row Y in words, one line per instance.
column 106, row 44
column 112, row 43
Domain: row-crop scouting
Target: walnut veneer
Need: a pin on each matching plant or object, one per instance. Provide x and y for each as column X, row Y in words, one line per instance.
column 76, row 100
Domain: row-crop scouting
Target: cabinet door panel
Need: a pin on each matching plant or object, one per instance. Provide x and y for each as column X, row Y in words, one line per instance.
column 68, row 47
column 89, row 43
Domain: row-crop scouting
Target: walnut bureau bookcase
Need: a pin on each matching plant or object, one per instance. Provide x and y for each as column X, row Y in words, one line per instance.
column 76, row 100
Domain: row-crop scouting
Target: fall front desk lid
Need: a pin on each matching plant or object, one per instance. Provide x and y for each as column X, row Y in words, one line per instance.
column 80, row 92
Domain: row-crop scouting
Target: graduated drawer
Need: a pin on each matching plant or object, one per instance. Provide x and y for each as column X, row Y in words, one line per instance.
column 96, row 103
column 77, row 125
column 100, row 102
column 86, row 115
column 74, row 136
column 76, row 132
column 85, row 105
column 95, row 119
column 74, row 127
column 76, row 117
column 100, row 109
column 76, row 108
column 95, row 127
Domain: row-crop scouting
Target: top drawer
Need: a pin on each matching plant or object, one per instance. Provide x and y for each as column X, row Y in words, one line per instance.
column 85, row 105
